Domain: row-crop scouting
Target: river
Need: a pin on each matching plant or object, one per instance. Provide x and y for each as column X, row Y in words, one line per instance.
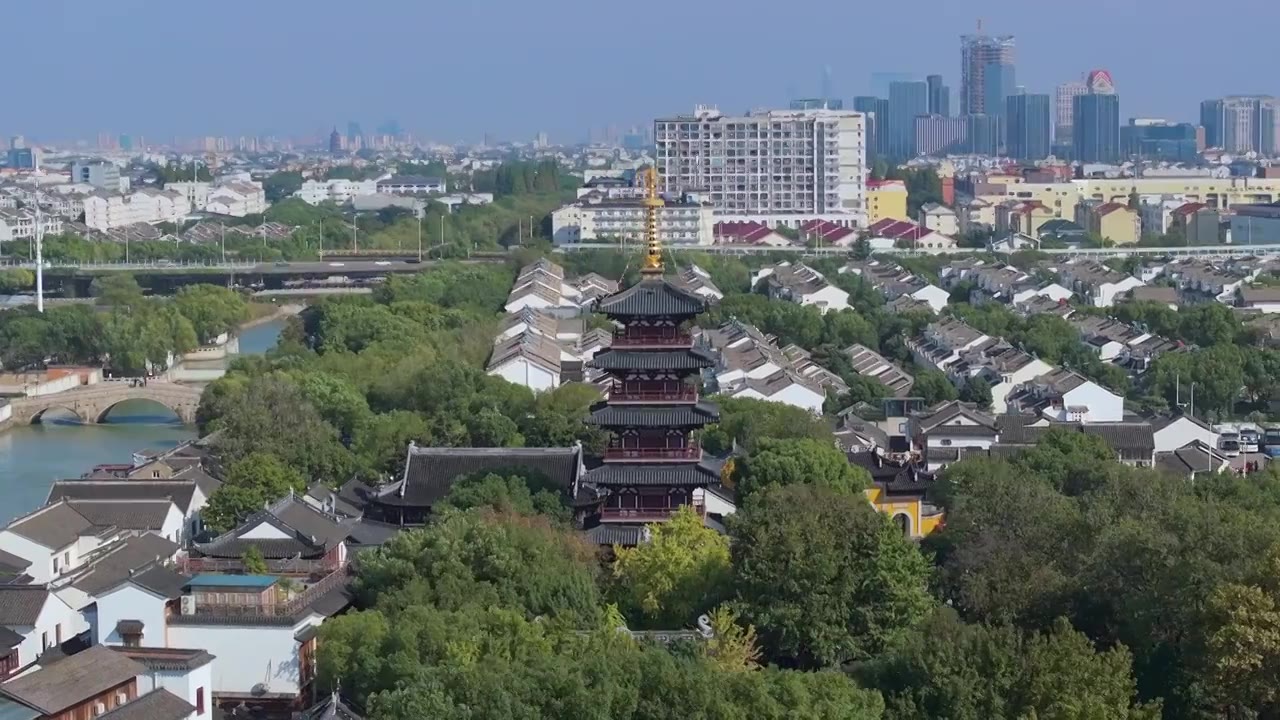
column 33, row 456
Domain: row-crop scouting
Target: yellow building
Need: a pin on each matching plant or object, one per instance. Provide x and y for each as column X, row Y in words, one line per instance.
column 907, row 508
column 886, row 199
column 1118, row 223
column 1024, row 217
column 1063, row 198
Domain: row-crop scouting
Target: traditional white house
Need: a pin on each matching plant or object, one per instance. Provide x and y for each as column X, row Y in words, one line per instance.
column 186, row 495
column 237, row 199
column 1177, row 431
column 802, row 285
column 185, row 674
column 532, row 360
column 134, row 610
column 783, row 386
column 1067, row 396
column 40, row 617
column 940, row 434
column 53, row 539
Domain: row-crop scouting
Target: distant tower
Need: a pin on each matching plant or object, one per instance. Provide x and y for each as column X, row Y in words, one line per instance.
column 1100, row 83
column 335, row 141
column 826, row 83
column 977, row 53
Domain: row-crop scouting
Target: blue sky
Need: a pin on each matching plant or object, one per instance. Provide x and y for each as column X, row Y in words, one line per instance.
column 455, row 70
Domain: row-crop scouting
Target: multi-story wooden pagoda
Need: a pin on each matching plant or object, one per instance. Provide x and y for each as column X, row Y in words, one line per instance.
column 653, row 464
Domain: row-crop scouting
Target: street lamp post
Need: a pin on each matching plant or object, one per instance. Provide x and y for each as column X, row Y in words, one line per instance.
column 39, row 250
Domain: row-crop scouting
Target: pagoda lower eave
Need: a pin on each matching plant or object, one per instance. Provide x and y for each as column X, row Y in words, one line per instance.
column 693, row 415
column 670, row 360
column 699, row 474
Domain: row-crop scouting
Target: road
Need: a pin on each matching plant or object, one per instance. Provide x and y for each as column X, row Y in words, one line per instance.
column 336, row 267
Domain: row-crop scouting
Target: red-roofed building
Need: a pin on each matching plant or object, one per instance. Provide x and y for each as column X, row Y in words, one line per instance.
column 827, row 233
column 909, row 234
column 748, row 233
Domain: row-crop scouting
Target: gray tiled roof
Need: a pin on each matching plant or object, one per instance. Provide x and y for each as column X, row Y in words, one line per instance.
column 652, row 296
column 124, row 514
column 697, row 415
column 20, row 605
column 9, row 639
column 179, row 491
column 691, row 359
column 431, row 472
column 311, row 533
column 118, row 560
column 167, row 659
column 159, row 704
column 615, row 534
column 11, row 564
column 671, row 474
column 72, row 680
column 53, row 526
column 331, row 708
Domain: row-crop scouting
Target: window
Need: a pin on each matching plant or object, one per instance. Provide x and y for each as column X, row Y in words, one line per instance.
column 44, row 640
column 98, row 709
column 122, row 697
column 66, row 559
column 57, row 633
column 199, row 701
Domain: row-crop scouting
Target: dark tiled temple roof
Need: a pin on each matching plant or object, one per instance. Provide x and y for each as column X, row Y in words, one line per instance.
column 310, row 533
column 655, row 297
column 692, row 415
column 690, row 359
column 668, row 474
column 159, row 704
column 430, row 472
column 615, row 534
column 72, row 680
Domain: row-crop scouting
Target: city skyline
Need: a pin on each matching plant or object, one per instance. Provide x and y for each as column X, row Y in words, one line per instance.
column 551, row 67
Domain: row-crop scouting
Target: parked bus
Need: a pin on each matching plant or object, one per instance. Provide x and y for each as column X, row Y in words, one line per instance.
column 1271, row 439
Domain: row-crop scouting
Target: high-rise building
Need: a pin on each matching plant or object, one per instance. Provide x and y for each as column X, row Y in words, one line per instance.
column 17, row 142
column 1153, row 139
column 999, row 82
column 977, row 52
column 880, row 81
column 939, row 135
column 126, row 143
column 1099, row 82
column 1064, row 110
column 982, row 134
column 1096, row 128
column 939, row 96
column 353, row 132
column 1027, row 126
column 1240, row 123
column 876, row 111
column 773, row 162
column 907, row 101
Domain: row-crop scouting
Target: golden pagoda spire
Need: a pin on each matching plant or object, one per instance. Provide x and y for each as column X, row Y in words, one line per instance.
column 653, row 252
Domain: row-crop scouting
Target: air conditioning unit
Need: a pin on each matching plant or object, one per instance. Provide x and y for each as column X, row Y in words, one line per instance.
column 188, row 604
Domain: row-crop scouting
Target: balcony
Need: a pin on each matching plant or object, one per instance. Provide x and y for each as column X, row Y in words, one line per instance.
column 655, row 393
column 691, row 452
column 653, row 337
column 612, row 514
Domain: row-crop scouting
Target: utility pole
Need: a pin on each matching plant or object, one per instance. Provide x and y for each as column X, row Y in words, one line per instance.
column 223, row 241
column 355, row 228
column 322, row 238
column 39, row 250
column 126, row 244
column 419, row 238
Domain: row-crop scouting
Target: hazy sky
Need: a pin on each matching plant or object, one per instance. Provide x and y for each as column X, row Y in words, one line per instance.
column 455, row 70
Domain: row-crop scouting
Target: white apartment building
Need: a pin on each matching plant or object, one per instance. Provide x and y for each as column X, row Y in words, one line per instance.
column 596, row 218
column 237, row 199
column 21, row 224
column 775, row 166
column 197, row 193
column 338, row 191
column 103, row 211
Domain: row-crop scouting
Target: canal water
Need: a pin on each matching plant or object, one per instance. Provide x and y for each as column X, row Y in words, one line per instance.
column 33, row 456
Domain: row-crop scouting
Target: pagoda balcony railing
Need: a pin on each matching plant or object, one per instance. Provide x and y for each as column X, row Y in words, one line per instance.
column 675, row 393
column 646, row 514
column 693, row 451
column 664, row 338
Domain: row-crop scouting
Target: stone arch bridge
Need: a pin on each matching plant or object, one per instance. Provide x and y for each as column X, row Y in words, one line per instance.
column 93, row 403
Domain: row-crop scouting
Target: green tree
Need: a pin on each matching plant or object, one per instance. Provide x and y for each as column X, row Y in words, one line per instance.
column 119, row 290
column 682, row 571
column 256, row 480
column 212, row 310
column 381, row 441
column 516, row 493
column 794, row 462
column 281, row 185
column 824, row 577
column 16, row 279
column 253, row 562
column 934, row 387
column 746, row 421
column 977, row 390
column 947, row 669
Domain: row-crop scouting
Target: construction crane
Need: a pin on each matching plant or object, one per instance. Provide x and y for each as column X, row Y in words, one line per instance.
column 653, row 247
